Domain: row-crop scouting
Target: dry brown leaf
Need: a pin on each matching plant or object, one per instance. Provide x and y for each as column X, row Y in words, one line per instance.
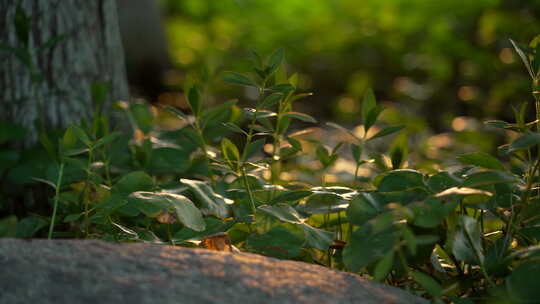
column 218, row 242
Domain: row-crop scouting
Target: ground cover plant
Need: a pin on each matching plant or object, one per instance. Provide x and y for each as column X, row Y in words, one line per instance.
column 467, row 234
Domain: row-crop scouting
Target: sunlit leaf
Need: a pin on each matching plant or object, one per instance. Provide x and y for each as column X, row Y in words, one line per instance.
column 322, row 203
column 368, row 103
column 283, row 212
column 300, row 116
column 230, row 153
column 290, row 196
column 387, row 131
column 524, row 58
column 462, row 191
column 481, row 159
column 488, row 177
column 211, row 202
column 153, row 203
column 524, row 142
column 401, row 180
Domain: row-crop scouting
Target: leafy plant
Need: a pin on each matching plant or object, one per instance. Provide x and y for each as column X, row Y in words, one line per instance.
column 470, row 233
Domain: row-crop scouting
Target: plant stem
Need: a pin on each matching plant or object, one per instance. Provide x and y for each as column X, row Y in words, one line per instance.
column 248, row 188
column 56, row 198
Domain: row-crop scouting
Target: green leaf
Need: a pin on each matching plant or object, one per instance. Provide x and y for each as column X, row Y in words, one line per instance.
column 283, row 212
column 253, row 147
column 401, row 180
column 275, row 60
column 106, row 139
column 176, row 112
column 290, row 196
column 324, row 202
column 194, row 101
column 231, row 126
column 300, row 116
column 134, row 181
column 524, row 142
column 430, row 284
column 387, row 131
column 278, row 242
column 364, row 207
column 230, row 153
column 211, row 202
column 213, row 226
column 236, row 78
column 522, row 284
column 431, row 212
column 383, row 267
column 30, row 225
column 442, row 181
column 166, row 160
column 144, row 119
column 106, row 207
column 270, row 100
column 344, row 130
column 463, row 191
column 73, row 132
column 488, row 177
column 481, row 159
column 255, row 57
column 500, row 124
column 368, row 245
column 317, row 238
column 524, row 58
column 356, row 152
column 368, row 103
column 467, row 245
column 184, row 209
column 72, row 217
column 372, row 116
column 283, row 87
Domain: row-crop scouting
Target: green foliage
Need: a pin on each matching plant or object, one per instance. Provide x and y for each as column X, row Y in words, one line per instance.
column 467, row 232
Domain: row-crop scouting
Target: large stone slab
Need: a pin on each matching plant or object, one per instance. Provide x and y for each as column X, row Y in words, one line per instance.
column 86, row 271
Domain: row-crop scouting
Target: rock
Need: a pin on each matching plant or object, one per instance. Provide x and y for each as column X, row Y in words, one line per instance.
column 90, row 271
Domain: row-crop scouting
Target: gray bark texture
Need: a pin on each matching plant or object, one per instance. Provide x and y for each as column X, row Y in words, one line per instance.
column 54, row 84
column 82, row 271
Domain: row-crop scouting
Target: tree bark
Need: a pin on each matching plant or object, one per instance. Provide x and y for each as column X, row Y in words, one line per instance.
column 48, row 76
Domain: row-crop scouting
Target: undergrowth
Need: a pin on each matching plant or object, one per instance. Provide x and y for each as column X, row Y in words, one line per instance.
column 463, row 235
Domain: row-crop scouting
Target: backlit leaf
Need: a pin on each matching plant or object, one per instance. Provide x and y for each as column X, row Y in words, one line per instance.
column 153, row 203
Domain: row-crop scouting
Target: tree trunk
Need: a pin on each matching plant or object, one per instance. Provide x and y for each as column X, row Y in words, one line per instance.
column 52, row 54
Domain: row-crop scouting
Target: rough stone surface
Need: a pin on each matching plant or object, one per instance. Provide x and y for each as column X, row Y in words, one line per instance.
column 77, row 271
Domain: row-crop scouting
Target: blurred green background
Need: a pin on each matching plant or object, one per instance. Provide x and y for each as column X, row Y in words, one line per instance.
column 439, row 66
